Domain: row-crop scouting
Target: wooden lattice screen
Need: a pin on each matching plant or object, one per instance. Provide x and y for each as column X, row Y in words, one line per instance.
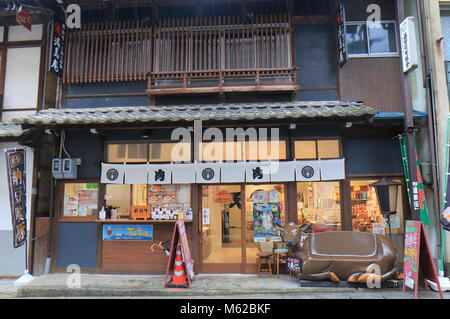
column 185, row 49
column 218, row 43
column 111, row 51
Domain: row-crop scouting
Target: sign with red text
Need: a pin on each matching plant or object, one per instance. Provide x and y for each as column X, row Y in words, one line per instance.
column 24, row 18
column 417, row 258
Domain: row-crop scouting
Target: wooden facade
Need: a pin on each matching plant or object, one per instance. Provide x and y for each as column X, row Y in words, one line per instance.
column 200, row 54
column 374, row 80
column 213, row 54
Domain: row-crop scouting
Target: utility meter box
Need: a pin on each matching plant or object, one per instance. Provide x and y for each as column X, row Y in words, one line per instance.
column 69, row 168
column 57, row 171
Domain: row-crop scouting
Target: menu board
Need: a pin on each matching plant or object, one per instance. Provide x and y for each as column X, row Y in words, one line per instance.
column 412, row 250
column 418, row 257
column 159, row 194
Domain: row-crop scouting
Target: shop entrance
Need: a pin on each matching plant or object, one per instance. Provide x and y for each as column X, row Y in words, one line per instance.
column 232, row 225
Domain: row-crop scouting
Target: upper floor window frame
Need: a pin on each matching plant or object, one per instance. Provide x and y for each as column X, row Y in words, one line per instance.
column 374, row 55
column 316, row 150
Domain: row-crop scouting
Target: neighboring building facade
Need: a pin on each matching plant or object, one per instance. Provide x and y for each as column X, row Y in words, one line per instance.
column 436, row 26
column 26, row 87
column 138, row 78
column 21, row 52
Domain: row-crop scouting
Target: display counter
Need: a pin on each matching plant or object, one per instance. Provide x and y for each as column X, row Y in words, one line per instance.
column 126, row 245
column 131, row 221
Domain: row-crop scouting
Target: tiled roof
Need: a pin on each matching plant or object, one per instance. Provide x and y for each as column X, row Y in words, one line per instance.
column 216, row 112
column 10, row 130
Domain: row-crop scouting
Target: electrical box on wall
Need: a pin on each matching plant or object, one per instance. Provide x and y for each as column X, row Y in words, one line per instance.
column 65, row 168
column 69, row 168
column 57, row 168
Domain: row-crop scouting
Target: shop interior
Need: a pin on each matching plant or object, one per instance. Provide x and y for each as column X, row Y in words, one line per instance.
column 319, row 204
column 366, row 216
column 223, row 223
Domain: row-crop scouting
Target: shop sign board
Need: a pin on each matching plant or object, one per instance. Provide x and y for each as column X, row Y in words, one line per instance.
column 408, row 42
column 127, row 232
column 57, row 55
column 341, row 35
column 15, row 170
column 417, row 257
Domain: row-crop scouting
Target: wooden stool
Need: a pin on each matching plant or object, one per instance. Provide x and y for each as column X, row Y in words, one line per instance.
column 264, row 258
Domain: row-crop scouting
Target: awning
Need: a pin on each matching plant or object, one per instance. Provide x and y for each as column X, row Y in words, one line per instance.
column 398, row 115
column 210, row 112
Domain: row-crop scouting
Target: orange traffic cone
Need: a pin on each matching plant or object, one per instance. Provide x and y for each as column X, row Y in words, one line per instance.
column 179, row 274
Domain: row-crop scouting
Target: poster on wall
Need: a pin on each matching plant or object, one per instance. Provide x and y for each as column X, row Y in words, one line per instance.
column 15, row 170
column 264, row 216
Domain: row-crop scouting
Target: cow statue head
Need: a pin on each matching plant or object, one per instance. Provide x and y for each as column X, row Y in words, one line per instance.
column 294, row 235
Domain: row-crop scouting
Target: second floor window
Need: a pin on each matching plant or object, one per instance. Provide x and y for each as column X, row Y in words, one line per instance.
column 364, row 39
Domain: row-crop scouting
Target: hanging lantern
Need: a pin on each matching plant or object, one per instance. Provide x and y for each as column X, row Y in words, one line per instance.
column 222, row 197
column 387, row 195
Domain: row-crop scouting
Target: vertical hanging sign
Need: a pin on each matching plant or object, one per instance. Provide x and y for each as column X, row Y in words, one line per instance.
column 15, row 170
column 408, row 44
column 341, row 34
column 416, row 191
column 57, row 56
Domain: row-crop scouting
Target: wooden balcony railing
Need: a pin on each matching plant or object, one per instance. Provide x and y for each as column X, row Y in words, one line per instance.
column 209, row 54
column 222, row 54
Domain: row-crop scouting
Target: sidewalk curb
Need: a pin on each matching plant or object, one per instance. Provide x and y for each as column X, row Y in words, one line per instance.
column 117, row 292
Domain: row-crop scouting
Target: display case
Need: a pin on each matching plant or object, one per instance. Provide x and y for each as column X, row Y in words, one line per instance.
column 165, row 202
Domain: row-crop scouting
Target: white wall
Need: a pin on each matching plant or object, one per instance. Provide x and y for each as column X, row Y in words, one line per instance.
column 20, row 33
column 12, row 260
column 22, row 72
column 22, row 78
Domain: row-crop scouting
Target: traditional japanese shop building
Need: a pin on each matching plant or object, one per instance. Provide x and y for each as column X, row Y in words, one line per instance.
column 181, row 78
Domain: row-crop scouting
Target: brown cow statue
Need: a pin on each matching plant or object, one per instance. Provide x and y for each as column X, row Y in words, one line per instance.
column 340, row 255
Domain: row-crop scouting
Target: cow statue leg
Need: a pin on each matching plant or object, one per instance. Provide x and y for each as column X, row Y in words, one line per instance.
column 364, row 277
